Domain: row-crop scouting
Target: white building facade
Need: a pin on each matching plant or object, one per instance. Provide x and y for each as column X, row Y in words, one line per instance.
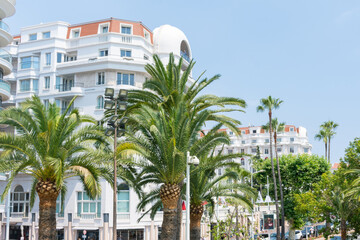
column 58, row 61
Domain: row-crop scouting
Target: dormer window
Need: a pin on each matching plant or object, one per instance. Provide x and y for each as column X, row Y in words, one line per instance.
column 33, row 37
column 291, row 129
column 104, row 28
column 75, row 33
column 146, row 35
column 126, row 29
column 254, row 131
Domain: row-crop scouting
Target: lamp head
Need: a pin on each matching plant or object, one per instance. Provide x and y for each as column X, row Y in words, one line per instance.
column 122, row 105
column 123, row 94
column 109, row 93
column 108, row 104
column 194, row 160
column 109, row 131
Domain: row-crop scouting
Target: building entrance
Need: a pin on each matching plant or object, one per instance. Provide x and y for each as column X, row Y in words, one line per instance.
column 90, row 234
column 15, row 232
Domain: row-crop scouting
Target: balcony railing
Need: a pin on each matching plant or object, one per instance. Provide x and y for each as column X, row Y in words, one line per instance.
column 19, row 215
column 4, row 26
column 88, row 215
column 5, row 85
column 68, row 87
column 123, row 216
column 5, row 55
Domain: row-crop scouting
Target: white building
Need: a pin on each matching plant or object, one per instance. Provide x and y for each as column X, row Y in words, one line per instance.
column 293, row 140
column 58, row 61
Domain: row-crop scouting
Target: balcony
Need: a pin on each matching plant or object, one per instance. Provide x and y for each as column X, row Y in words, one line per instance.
column 5, row 61
column 7, row 8
column 4, row 90
column 88, row 215
column 68, row 87
column 5, row 36
column 123, row 217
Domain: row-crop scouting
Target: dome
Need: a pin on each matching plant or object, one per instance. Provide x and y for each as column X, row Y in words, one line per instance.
column 169, row 39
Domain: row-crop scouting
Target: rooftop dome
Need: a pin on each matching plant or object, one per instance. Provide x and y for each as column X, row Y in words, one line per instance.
column 169, row 39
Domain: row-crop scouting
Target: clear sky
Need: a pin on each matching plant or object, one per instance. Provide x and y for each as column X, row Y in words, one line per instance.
column 305, row 52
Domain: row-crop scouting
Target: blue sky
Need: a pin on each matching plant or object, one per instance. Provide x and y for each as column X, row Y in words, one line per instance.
column 303, row 52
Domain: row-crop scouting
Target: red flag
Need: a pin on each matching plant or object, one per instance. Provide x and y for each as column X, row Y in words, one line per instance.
column 183, row 205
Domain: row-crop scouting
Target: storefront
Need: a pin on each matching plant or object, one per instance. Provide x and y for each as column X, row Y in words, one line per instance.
column 88, row 234
column 130, row 234
column 16, row 232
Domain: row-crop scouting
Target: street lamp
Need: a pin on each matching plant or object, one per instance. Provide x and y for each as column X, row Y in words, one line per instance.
column 190, row 160
column 116, row 128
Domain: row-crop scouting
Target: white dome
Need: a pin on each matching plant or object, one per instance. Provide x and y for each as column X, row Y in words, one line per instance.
column 169, row 39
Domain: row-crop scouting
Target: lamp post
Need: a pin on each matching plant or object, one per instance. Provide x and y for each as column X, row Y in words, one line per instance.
column 116, row 127
column 8, row 206
column 252, row 212
column 189, row 161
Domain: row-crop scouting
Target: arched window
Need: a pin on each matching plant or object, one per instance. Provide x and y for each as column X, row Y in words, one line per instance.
column 100, row 102
column 123, row 203
column 19, row 202
column 185, row 51
column 242, row 161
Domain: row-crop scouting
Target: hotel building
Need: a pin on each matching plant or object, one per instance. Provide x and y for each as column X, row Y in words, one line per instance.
column 58, row 61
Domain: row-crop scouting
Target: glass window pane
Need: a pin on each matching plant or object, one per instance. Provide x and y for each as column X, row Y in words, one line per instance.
column 85, row 207
column 123, row 206
column 99, row 207
column 79, row 207
column 123, row 195
column 22, row 196
column 86, row 197
column 79, row 196
column 125, row 79
column 118, row 79
column 132, row 82
column 92, row 207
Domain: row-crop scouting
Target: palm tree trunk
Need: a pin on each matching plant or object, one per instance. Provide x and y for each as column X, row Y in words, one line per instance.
column 274, row 178
column 343, row 229
column 196, row 213
column 281, row 190
column 237, row 222
column 48, row 194
column 326, row 150
column 329, row 151
column 169, row 194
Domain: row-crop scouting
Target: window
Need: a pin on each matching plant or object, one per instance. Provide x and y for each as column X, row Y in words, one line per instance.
column 266, row 151
column 104, row 53
column 230, row 151
column 219, row 172
column 125, row 53
column 242, row 150
column 47, row 82
column 243, row 142
column 291, row 129
column 19, row 201
column 100, row 102
column 242, row 132
column 125, row 79
column 231, row 133
column 146, row 57
column 33, row 37
column 35, row 84
column 46, row 103
column 30, row 62
column 100, row 78
column 292, row 139
column 59, row 211
column 254, row 131
column 242, row 161
column 46, row 35
column 75, row 33
column 70, row 57
column 306, row 150
column 279, row 140
column 278, row 149
column 292, row 150
column 88, row 208
column 59, row 57
column 253, row 150
column 125, row 29
column 104, row 28
column 48, row 59
column 253, row 141
column 25, row 85
column 123, row 199
column 267, row 140
column 146, row 35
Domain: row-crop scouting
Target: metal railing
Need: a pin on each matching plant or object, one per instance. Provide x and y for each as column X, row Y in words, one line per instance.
column 5, row 85
column 5, row 55
column 68, row 87
column 4, row 26
column 88, row 215
column 126, row 39
column 123, row 216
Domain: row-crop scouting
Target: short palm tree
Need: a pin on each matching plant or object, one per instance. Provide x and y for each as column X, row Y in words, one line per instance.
column 271, row 104
column 354, row 189
column 50, row 147
column 329, row 128
column 322, row 135
column 177, row 113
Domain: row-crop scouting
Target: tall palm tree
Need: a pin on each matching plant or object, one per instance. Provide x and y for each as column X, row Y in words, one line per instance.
column 174, row 106
column 322, row 135
column 50, row 147
column 271, row 104
column 278, row 128
column 329, row 128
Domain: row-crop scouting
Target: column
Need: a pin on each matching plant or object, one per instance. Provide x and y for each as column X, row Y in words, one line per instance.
column 106, row 227
column 69, row 226
column 152, row 237
column 33, row 221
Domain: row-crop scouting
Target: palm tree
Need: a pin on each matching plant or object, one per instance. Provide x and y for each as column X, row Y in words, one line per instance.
column 329, row 128
column 174, row 108
column 322, row 135
column 278, row 128
column 50, row 147
column 270, row 104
